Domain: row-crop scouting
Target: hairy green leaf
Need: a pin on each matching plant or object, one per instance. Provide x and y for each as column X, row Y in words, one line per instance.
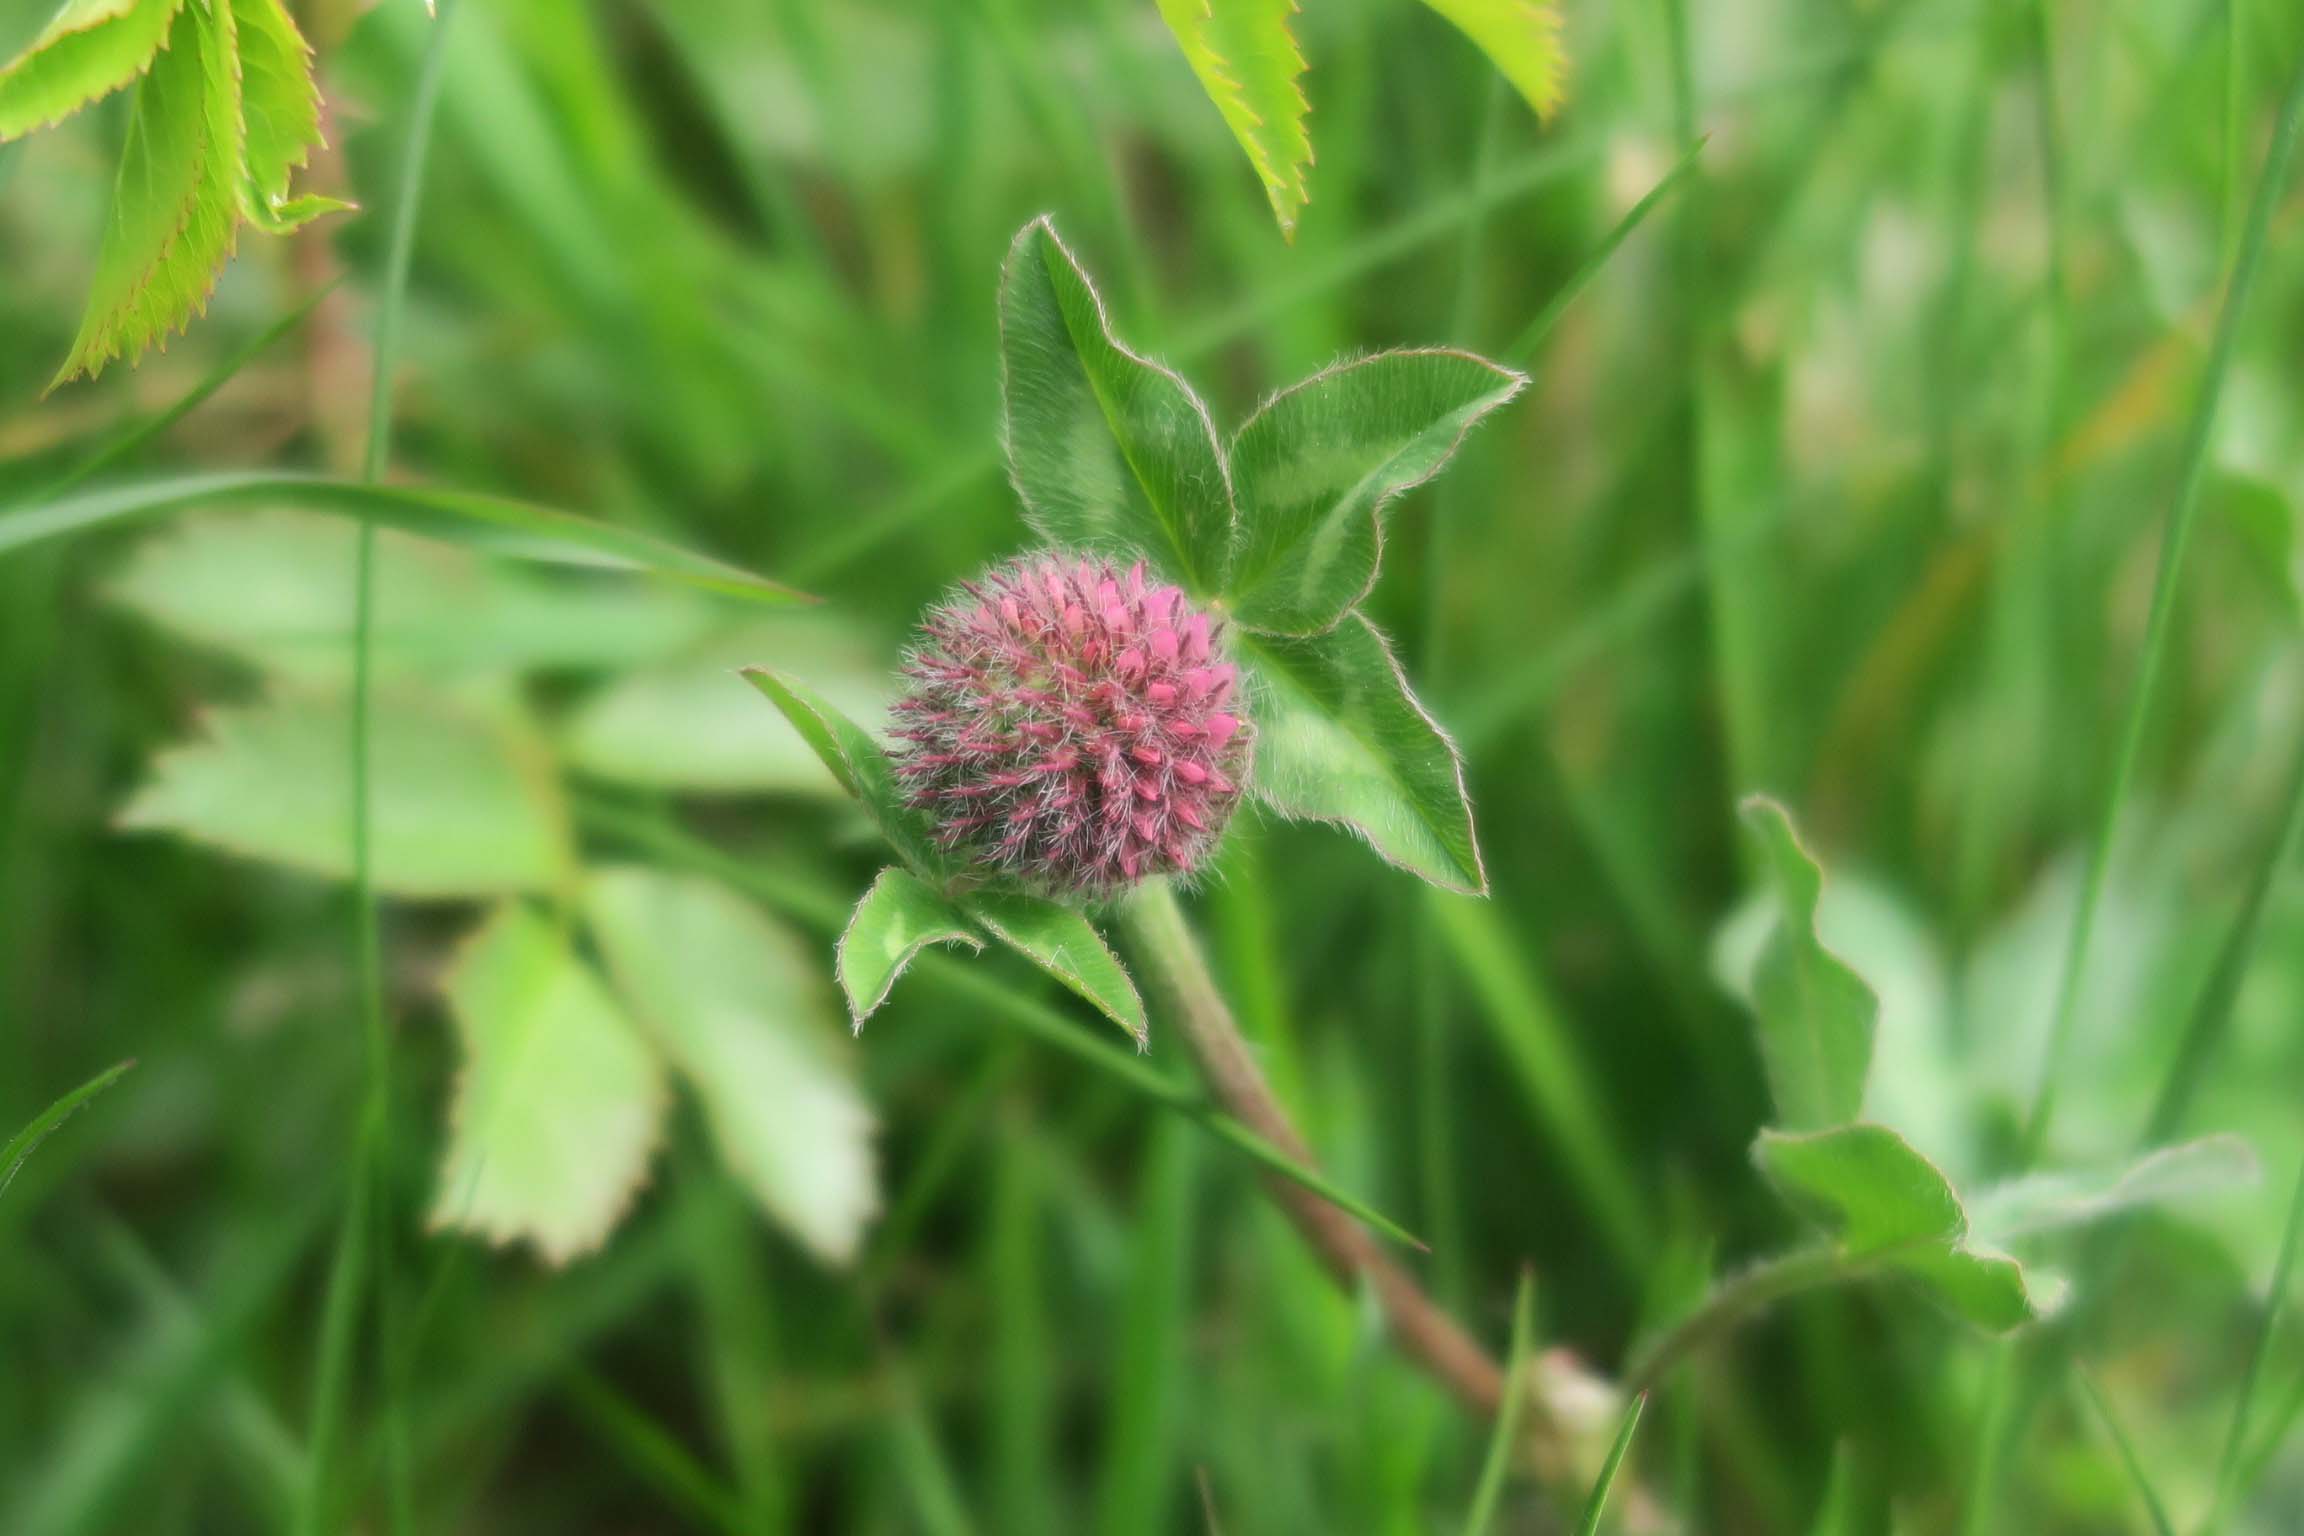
column 558, row 1107
column 498, row 525
column 1816, row 1015
column 1340, row 738
column 2049, row 1202
column 856, row 761
column 1522, row 39
column 1250, row 67
column 1316, row 467
column 90, row 49
column 268, row 588
column 1107, row 448
column 280, row 109
column 175, row 207
column 899, row 916
column 459, row 806
column 742, row 1011
column 1890, row 1208
column 1067, row 946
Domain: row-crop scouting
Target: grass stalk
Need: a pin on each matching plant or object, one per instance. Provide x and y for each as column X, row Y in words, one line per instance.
column 2182, row 515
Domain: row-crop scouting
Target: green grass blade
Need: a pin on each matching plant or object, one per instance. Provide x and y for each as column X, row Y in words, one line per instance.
column 1531, row 340
column 44, row 1124
column 653, row 1453
column 2228, row 1467
column 1497, row 1465
column 2199, row 438
column 2130, row 1462
column 495, row 524
column 1597, row 1503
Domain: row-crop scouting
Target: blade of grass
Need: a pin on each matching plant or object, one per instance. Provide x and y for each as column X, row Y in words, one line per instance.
column 1597, row 1504
column 811, row 904
column 1022, row 1400
column 496, row 524
column 653, row 1453
column 2130, row 1463
column 2251, row 1377
column 24, row 1142
column 369, row 1201
column 138, row 433
column 2198, row 439
column 1525, row 347
column 1152, row 1382
column 1502, row 1439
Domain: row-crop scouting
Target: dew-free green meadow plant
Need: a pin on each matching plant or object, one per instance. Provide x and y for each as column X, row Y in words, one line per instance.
column 225, row 113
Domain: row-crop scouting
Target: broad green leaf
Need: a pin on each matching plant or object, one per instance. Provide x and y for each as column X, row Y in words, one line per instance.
column 559, row 1103
column 898, row 917
column 1315, row 468
column 44, row 1125
column 497, row 525
column 268, row 588
column 90, row 49
column 1250, row 67
column 175, row 208
column 1340, row 738
column 745, row 1015
column 459, row 806
column 856, row 761
column 1107, row 448
column 281, row 112
column 1522, row 39
column 2048, row 1202
column 1815, row 1014
column 689, row 724
column 1890, row 1208
column 1066, row 945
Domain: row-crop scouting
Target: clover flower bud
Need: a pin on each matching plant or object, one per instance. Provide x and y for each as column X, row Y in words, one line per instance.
column 1072, row 727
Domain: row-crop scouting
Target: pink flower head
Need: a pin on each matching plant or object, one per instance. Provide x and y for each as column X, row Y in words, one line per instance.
column 1072, row 726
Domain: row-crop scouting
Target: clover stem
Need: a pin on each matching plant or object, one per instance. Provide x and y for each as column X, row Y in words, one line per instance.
column 1433, row 1339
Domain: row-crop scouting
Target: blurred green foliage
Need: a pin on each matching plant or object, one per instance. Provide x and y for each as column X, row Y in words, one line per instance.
column 1843, row 480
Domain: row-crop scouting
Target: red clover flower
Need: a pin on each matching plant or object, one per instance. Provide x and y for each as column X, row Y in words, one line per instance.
column 1072, row 727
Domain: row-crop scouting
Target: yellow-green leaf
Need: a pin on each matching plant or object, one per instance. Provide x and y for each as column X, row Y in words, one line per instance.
column 1250, row 67
column 174, row 212
column 558, row 1107
column 91, row 49
column 1521, row 38
column 280, row 109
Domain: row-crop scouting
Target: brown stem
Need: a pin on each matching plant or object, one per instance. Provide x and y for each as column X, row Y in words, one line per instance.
column 1430, row 1336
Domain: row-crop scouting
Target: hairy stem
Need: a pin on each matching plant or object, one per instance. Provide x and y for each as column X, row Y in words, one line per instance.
column 1432, row 1338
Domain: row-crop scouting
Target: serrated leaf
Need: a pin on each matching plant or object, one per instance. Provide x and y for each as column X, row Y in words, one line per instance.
column 1341, row 738
column 1890, row 1208
column 497, row 525
column 89, row 50
column 1067, row 946
column 1816, row 1015
column 459, row 806
column 2173, row 1175
column 744, row 1014
column 1318, row 464
column 897, row 918
column 1522, row 39
column 726, row 743
column 280, row 109
column 268, row 588
column 1107, row 448
column 855, row 760
column 1250, row 67
column 557, row 1109
column 174, row 203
